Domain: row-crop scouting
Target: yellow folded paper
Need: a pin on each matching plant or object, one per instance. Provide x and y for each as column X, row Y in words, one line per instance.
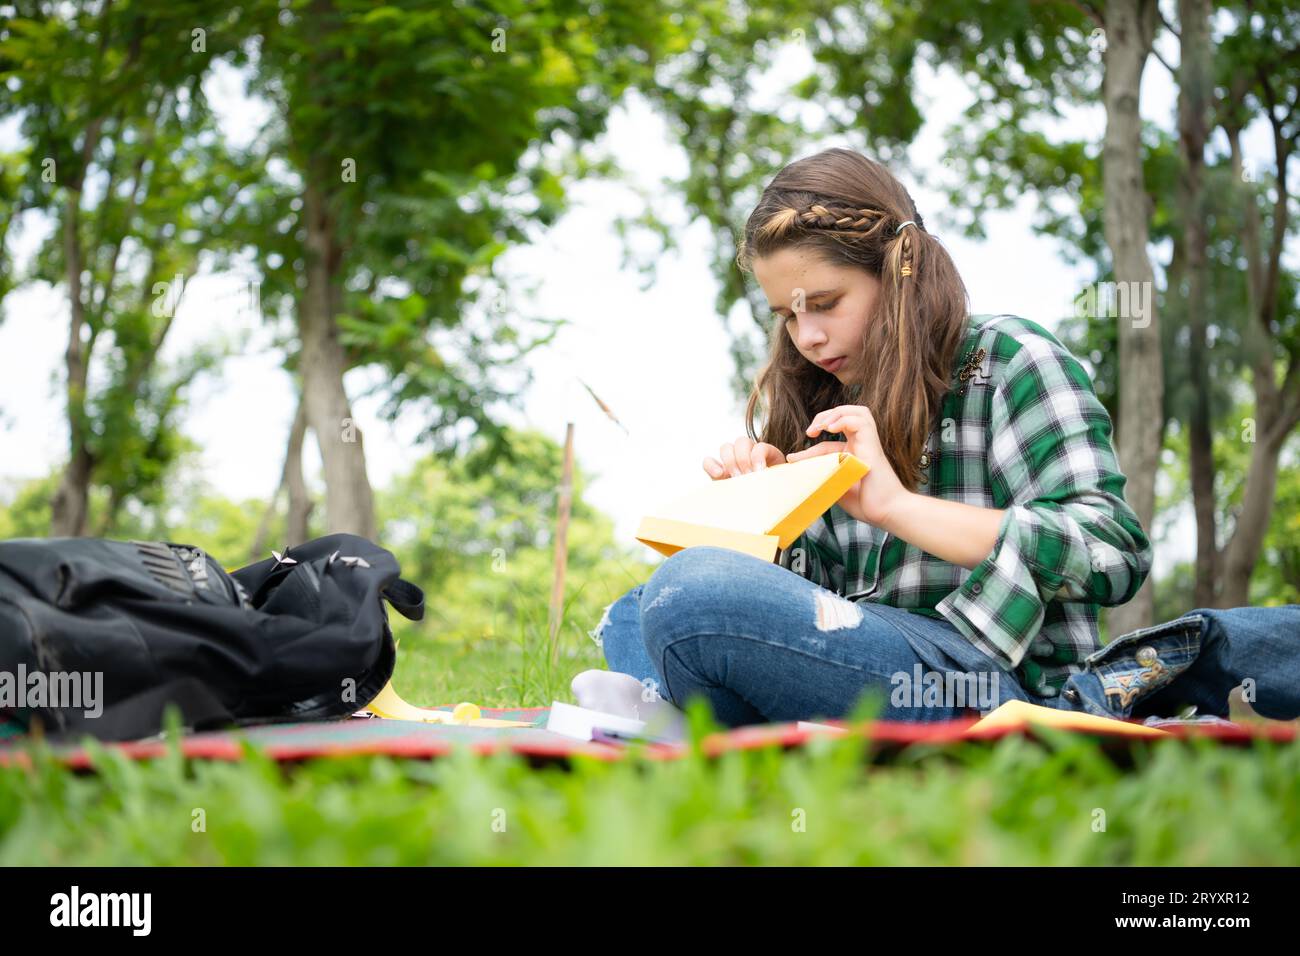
column 390, row 705
column 1019, row 713
column 755, row 513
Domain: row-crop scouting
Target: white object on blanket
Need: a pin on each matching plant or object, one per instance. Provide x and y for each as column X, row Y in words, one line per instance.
column 617, row 703
column 612, row 692
column 579, row 722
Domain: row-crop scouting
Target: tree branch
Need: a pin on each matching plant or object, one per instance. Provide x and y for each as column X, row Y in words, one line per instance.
column 1156, row 53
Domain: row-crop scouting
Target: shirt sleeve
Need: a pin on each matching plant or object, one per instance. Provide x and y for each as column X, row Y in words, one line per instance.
column 1067, row 533
column 815, row 555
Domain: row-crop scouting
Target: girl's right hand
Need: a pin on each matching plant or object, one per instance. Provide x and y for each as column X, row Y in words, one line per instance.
column 741, row 457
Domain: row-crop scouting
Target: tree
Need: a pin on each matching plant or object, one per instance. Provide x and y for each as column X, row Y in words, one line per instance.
column 1261, row 77
column 404, row 130
column 112, row 104
column 1130, row 27
column 1195, row 91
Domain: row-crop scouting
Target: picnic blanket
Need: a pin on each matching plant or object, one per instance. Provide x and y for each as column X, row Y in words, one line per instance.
column 399, row 738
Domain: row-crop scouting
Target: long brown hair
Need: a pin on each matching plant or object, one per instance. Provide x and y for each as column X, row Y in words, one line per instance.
column 847, row 210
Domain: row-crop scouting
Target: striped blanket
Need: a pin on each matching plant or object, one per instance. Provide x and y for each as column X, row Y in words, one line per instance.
column 338, row 738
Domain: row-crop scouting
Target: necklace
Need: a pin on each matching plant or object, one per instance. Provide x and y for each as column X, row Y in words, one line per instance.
column 969, row 367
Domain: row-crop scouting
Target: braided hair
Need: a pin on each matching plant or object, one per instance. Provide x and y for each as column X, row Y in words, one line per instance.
column 851, row 211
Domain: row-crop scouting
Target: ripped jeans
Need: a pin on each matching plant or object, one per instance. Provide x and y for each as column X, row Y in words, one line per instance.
column 764, row 644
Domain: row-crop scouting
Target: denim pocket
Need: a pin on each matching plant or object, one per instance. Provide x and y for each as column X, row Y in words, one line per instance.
column 1141, row 662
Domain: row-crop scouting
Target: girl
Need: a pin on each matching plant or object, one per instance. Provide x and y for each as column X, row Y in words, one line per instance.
column 967, row 567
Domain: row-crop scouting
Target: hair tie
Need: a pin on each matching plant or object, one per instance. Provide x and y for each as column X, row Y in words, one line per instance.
column 907, row 266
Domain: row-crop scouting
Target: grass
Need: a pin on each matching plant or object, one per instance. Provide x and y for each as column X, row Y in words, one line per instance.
column 1017, row 802
column 516, row 671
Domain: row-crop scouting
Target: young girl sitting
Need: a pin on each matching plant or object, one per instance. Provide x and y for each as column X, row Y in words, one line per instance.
column 988, row 532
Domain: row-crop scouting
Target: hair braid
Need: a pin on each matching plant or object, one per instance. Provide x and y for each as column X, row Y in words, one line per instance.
column 842, row 218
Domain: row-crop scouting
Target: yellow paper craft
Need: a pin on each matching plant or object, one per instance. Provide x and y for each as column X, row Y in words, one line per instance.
column 1020, row 713
column 755, row 513
column 390, row 705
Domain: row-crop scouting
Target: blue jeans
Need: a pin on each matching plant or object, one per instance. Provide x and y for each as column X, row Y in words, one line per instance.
column 761, row 643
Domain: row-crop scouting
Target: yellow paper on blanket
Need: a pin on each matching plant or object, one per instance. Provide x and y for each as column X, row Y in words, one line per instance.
column 391, row 706
column 754, row 513
column 1018, row 713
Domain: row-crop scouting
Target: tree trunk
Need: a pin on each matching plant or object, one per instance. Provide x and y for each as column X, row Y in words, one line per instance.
column 1194, row 92
column 69, row 507
column 1130, row 27
column 300, row 503
column 291, row 478
column 1277, row 409
column 109, row 518
column 349, row 499
column 1242, row 552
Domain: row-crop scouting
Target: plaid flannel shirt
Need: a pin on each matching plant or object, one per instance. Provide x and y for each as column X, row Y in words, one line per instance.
column 1024, row 432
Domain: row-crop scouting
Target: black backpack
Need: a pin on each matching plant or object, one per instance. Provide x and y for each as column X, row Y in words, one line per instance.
column 299, row 636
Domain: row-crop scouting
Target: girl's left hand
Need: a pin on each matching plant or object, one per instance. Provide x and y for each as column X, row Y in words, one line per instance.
column 873, row 498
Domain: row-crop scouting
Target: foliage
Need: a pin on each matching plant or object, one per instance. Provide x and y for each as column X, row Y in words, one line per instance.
column 480, row 541
column 122, row 158
column 436, row 137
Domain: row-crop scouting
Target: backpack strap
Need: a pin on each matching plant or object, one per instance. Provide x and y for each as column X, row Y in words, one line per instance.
column 406, row 598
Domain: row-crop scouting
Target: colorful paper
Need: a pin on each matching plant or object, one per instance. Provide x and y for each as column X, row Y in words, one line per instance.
column 1020, row 713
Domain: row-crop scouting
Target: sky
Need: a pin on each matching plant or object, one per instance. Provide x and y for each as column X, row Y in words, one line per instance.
column 658, row 357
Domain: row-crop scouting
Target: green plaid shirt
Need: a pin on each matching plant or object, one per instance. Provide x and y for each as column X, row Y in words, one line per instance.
column 1026, row 432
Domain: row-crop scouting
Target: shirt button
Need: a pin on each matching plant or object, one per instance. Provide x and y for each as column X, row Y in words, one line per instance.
column 1146, row 656
column 1071, row 694
column 976, row 588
